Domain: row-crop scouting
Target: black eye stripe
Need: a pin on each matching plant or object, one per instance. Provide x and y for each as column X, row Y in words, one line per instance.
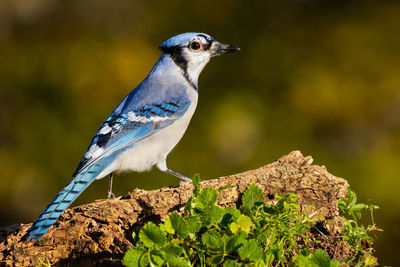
column 207, row 45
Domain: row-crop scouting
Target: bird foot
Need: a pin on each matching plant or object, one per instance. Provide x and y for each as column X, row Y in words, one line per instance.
column 184, row 182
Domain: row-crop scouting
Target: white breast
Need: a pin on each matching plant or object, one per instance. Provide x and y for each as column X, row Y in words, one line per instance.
column 153, row 149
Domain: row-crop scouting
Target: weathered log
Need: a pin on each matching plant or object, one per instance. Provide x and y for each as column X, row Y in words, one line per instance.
column 99, row 233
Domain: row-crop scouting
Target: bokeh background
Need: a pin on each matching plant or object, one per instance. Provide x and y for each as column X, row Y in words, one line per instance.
column 319, row 76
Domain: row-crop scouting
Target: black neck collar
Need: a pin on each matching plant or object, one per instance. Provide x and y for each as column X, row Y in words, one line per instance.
column 176, row 54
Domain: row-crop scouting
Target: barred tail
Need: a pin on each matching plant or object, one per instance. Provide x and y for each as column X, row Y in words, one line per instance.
column 63, row 199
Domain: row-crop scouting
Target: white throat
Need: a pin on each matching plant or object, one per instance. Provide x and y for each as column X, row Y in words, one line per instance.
column 195, row 65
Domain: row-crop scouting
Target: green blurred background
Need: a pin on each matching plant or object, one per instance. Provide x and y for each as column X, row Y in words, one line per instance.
column 319, row 76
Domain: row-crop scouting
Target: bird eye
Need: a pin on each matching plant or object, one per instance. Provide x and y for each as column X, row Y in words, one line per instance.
column 195, row 45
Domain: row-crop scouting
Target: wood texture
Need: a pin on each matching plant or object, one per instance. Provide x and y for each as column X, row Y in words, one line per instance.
column 99, row 233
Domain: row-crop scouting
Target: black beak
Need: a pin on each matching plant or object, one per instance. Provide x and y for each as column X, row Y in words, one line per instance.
column 224, row 49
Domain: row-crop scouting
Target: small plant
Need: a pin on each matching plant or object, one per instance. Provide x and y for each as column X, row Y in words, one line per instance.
column 357, row 235
column 255, row 234
column 44, row 262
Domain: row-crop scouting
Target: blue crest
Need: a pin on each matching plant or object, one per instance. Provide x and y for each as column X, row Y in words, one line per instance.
column 182, row 38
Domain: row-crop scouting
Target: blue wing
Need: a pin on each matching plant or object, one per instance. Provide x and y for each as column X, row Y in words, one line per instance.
column 118, row 132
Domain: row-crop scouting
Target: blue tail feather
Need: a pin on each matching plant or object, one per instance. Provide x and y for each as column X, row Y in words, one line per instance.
column 63, row 199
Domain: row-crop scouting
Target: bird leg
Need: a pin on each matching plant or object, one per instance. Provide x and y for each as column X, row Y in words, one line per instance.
column 110, row 193
column 185, row 179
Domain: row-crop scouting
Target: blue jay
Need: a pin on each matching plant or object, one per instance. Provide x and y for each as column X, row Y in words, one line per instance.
column 145, row 126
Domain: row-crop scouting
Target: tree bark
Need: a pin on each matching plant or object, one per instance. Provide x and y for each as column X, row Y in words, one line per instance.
column 99, row 233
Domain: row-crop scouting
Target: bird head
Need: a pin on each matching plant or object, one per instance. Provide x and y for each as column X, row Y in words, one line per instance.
column 192, row 51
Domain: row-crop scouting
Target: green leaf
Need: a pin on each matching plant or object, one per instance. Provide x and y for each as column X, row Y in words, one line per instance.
column 301, row 228
column 231, row 215
column 152, row 236
column 132, row 257
column 216, row 214
column 189, row 206
column 232, row 243
column 179, row 262
column 352, row 197
column 172, row 251
column 302, row 261
column 207, row 197
column 199, row 207
column 268, row 259
column 193, row 223
column 156, row 258
column 320, row 258
column 212, row 239
column 359, row 207
column 231, row 263
column 144, row 260
column 179, row 224
column 278, row 252
column 135, row 237
column 196, row 184
column 204, row 205
column 168, row 226
column 370, row 260
column 251, row 250
column 243, row 223
column 253, row 196
column 215, row 260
